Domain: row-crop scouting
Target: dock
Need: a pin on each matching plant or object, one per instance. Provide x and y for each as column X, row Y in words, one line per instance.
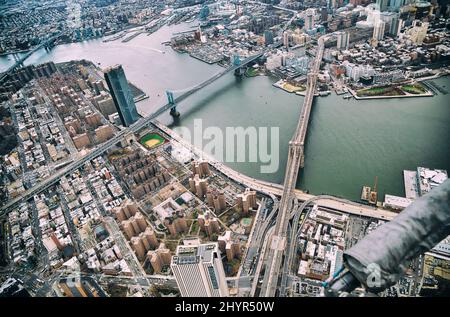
column 411, row 185
column 365, row 193
column 435, row 87
column 132, row 36
column 373, row 197
column 341, row 91
column 348, row 96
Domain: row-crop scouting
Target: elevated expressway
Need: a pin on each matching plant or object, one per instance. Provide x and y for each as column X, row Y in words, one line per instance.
column 263, row 228
column 282, row 243
column 20, row 61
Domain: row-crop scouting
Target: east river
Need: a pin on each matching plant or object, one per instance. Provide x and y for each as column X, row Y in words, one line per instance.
column 349, row 142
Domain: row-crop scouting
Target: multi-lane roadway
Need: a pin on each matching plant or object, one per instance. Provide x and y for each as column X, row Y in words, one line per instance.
column 99, row 150
column 295, row 161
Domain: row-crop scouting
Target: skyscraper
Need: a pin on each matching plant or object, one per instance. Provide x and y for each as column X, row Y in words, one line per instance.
column 268, row 37
column 198, row 271
column 395, row 26
column 121, row 94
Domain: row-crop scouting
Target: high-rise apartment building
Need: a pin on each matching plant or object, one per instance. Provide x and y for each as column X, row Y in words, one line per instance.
column 122, row 96
column 397, row 4
column 198, row 271
column 309, row 19
column 246, row 200
column 418, row 32
column 343, row 40
column 378, row 30
column 383, row 4
column 201, row 168
column 198, row 185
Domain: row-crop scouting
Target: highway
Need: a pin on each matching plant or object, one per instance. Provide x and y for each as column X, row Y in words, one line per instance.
column 295, row 161
column 259, row 266
column 99, row 150
column 263, row 227
column 270, row 252
column 268, row 188
column 28, row 54
column 253, row 254
column 292, row 244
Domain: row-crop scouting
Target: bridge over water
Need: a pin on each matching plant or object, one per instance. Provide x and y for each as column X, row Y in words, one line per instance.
column 294, row 163
column 20, row 61
column 135, row 127
column 236, row 67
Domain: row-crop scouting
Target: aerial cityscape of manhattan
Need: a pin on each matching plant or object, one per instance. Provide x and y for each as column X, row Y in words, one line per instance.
column 225, row 148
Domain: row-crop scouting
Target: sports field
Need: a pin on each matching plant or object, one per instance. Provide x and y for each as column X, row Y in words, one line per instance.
column 151, row 140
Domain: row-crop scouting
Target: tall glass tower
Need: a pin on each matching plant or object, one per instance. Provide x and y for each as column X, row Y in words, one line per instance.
column 121, row 94
column 383, row 4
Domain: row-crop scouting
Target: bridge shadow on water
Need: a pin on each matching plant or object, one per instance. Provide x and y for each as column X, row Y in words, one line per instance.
column 300, row 177
column 216, row 92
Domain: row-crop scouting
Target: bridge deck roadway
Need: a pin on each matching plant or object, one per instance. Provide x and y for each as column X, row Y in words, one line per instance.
column 27, row 55
column 295, row 157
column 41, row 186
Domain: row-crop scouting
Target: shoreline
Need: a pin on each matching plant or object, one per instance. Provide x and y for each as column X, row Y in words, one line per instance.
column 280, row 85
column 429, row 93
column 354, row 94
column 269, row 188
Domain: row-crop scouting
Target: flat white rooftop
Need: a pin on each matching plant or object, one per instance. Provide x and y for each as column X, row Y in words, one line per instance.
column 396, row 201
column 411, row 186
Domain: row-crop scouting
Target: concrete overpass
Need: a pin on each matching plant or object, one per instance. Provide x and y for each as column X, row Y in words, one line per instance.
column 264, row 228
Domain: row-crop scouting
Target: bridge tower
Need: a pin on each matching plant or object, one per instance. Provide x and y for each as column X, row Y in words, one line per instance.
column 173, row 109
column 49, row 44
column 302, row 157
column 237, row 62
column 18, row 60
